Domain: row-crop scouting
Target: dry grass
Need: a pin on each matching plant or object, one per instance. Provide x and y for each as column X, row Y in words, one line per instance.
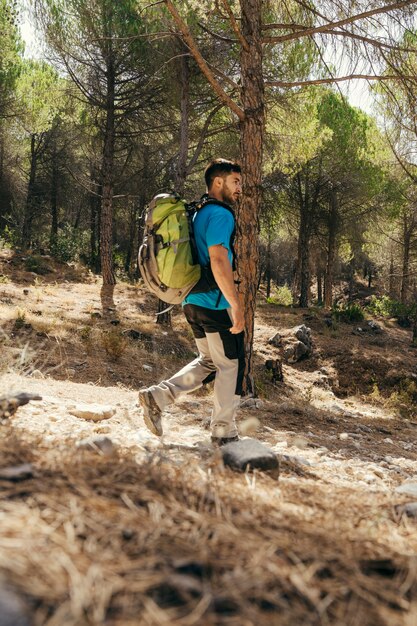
column 167, row 539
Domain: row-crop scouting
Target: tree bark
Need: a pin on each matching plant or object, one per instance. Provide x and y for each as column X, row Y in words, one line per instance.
column 319, row 288
column 391, row 284
column 94, row 201
column 331, row 249
column 106, row 222
column 405, row 278
column 54, row 202
column 29, row 206
column 184, row 75
column 251, row 152
column 304, row 236
column 268, row 266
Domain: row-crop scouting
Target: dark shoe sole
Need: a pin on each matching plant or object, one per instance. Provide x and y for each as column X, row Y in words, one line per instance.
column 147, row 418
column 223, row 441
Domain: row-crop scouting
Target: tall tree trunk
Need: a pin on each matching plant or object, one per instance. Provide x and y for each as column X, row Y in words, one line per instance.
column 29, row 206
column 251, row 151
column 319, row 287
column 94, row 202
column 268, row 266
column 54, row 203
column 304, row 237
column 405, row 278
column 391, row 283
column 331, row 249
column 184, row 76
column 106, row 222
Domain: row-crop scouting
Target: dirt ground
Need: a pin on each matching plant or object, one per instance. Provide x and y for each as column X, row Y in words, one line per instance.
column 156, row 531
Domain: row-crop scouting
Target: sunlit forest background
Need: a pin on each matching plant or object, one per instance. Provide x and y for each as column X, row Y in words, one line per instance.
column 114, row 108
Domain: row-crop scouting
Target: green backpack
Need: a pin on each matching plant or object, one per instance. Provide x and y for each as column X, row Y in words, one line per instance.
column 168, row 259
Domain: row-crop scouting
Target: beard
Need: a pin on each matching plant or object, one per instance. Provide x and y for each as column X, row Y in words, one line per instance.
column 228, row 195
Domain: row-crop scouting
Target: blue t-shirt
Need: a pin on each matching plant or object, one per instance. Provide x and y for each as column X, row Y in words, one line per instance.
column 213, row 225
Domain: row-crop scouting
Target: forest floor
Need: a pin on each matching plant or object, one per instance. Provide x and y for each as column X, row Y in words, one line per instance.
column 148, row 531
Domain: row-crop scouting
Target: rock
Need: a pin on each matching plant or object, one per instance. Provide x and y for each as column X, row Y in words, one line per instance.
column 147, row 368
column 103, row 445
column 376, row 328
column 409, row 488
column 10, row 403
column 276, row 340
column 17, row 473
column 297, row 460
column 410, row 509
column 303, row 334
column 295, row 351
column 343, row 436
column 93, row 412
column 249, row 453
column 388, row 440
column 248, row 403
column 13, row 611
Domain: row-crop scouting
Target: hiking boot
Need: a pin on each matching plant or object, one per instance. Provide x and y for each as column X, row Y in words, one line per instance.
column 151, row 412
column 222, row 441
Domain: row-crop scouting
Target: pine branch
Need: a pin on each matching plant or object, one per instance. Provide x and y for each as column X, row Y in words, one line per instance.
column 332, row 25
column 202, row 63
column 338, row 79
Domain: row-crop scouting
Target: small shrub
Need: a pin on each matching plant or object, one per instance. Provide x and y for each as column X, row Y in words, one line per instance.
column 282, row 296
column 114, row 344
column 4, row 280
column 9, row 239
column 20, row 319
column 37, row 265
column 404, row 401
column 86, row 336
column 69, row 244
column 386, row 307
column 348, row 313
column 375, row 396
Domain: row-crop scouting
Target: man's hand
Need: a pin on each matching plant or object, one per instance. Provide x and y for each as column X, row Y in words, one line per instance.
column 238, row 320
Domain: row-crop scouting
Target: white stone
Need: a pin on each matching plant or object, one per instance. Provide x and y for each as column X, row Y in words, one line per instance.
column 93, row 412
column 408, row 488
column 103, row 445
column 343, row 436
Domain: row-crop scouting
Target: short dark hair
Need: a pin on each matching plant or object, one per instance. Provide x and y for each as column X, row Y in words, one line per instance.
column 220, row 167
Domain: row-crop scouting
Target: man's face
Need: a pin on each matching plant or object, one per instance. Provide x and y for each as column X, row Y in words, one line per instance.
column 232, row 187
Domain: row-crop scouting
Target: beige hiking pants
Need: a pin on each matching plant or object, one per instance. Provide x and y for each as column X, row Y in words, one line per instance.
column 221, row 356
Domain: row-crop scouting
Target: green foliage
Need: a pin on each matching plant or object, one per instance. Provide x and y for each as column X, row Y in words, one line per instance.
column 10, row 47
column 40, row 93
column 9, row 238
column 404, row 401
column 349, row 313
column 282, row 296
column 69, row 244
column 37, row 265
column 387, row 307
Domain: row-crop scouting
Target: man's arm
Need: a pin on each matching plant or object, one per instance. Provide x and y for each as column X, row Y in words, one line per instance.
column 223, row 274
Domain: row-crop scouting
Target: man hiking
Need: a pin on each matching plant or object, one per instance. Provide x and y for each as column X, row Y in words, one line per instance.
column 215, row 316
